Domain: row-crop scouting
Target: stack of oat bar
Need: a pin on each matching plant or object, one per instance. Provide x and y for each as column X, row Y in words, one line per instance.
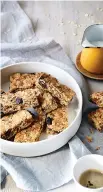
column 35, row 103
column 96, row 117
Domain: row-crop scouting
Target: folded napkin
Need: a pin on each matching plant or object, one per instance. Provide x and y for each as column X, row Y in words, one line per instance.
column 19, row 43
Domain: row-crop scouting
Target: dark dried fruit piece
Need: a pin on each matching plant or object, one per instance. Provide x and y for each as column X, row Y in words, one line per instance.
column 49, row 120
column 42, row 83
column 1, row 92
column 1, row 114
column 33, row 112
column 19, row 100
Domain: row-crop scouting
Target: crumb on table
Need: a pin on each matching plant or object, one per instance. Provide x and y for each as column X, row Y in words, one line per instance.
column 91, row 130
column 97, row 148
column 89, row 139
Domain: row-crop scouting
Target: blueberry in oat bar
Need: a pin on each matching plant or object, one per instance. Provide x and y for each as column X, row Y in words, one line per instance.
column 13, row 123
column 49, row 120
column 20, row 81
column 59, row 91
column 19, row 100
column 33, row 112
column 97, row 98
column 12, row 102
column 57, row 120
column 96, row 118
column 30, row 134
column 43, row 80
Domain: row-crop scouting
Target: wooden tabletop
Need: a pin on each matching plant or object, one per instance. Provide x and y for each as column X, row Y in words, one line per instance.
column 65, row 21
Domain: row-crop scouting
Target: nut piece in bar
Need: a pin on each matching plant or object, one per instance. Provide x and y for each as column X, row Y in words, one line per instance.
column 12, row 102
column 96, row 119
column 57, row 120
column 20, row 81
column 30, row 134
column 61, row 92
column 13, row 123
column 97, row 98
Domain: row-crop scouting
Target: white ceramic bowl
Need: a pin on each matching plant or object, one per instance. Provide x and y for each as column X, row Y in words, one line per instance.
column 51, row 144
column 83, row 164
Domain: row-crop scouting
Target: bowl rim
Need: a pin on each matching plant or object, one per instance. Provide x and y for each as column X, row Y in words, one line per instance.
column 54, row 136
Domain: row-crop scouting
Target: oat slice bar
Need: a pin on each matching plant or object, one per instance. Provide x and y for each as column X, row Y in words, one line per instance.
column 12, row 102
column 97, row 98
column 33, row 132
column 57, row 120
column 48, row 103
column 13, row 123
column 62, row 93
column 30, row 134
column 20, row 81
column 96, row 119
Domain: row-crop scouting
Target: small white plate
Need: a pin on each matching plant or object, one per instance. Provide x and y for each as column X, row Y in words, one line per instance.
column 45, row 145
